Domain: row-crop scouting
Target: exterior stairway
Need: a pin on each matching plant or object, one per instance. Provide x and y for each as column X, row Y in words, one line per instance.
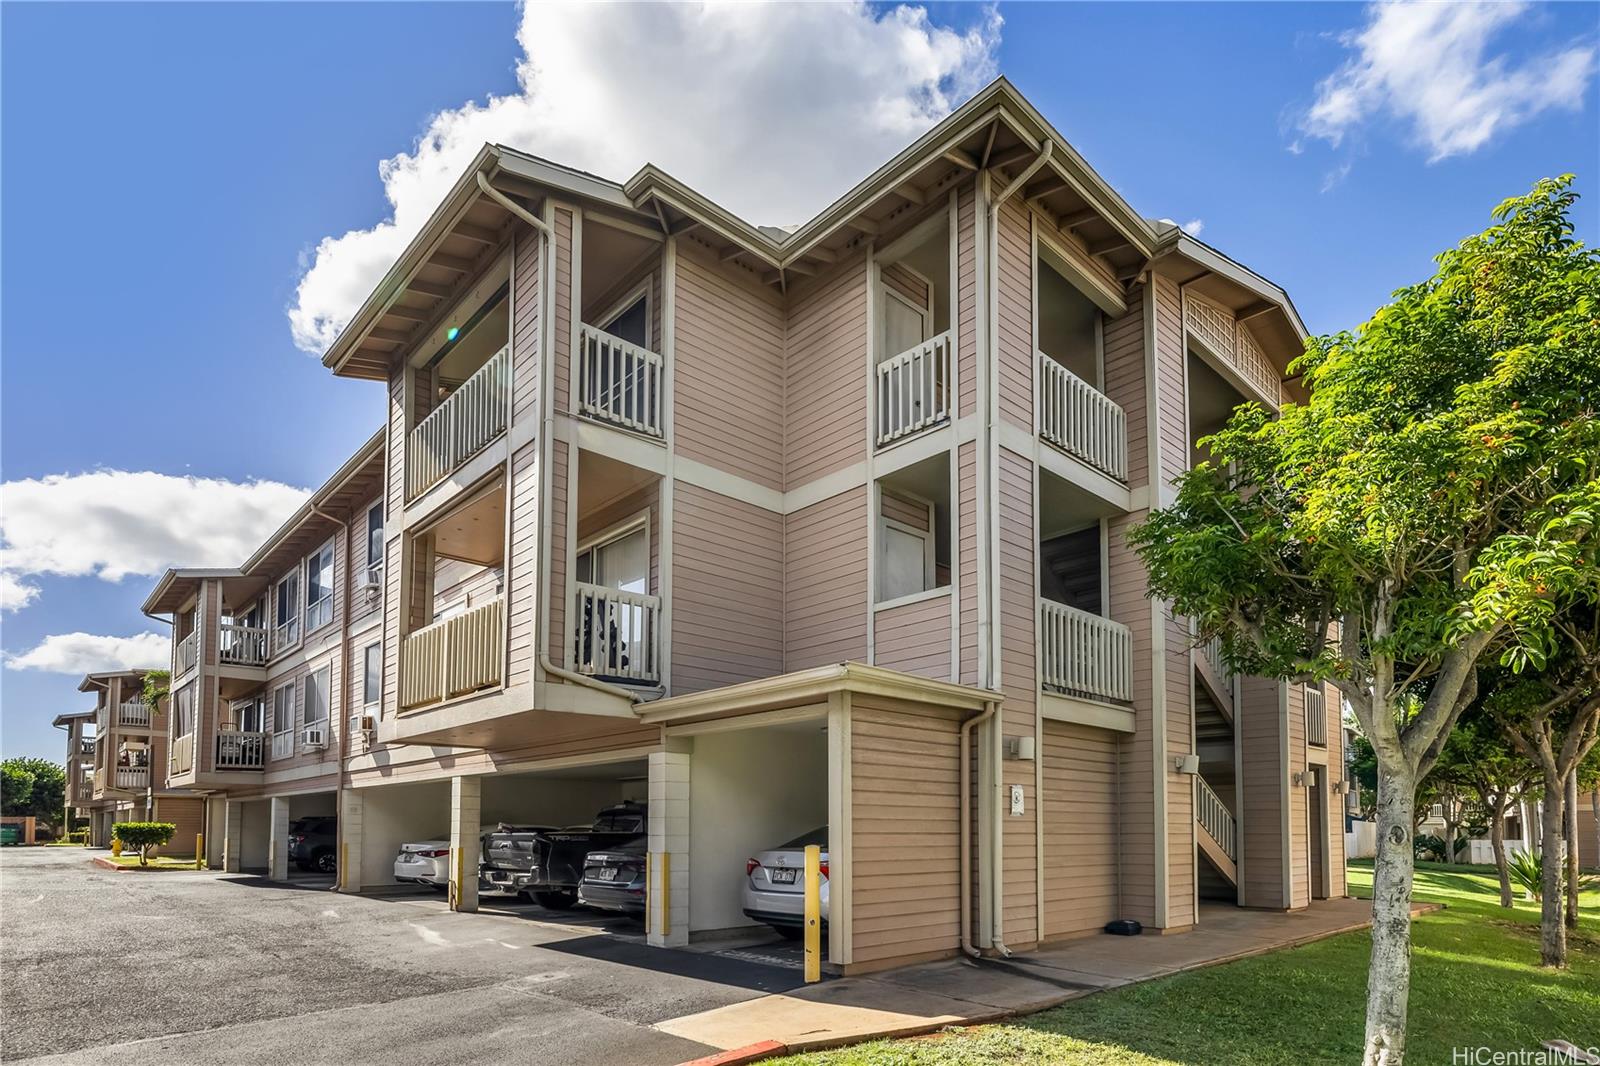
column 1215, row 830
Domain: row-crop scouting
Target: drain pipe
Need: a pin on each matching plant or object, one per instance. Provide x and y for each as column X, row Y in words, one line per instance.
column 547, row 427
column 965, row 889
column 991, row 654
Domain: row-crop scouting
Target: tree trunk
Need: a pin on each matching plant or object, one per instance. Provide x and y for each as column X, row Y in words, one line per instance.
column 1569, row 820
column 1552, row 933
column 1389, row 977
column 1497, row 839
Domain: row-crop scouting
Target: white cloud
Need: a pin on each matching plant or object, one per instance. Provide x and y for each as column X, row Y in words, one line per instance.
column 115, row 523
column 15, row 594
column 1194, row 226
column 1426, row 65
column 86, row 653
column 772, row 110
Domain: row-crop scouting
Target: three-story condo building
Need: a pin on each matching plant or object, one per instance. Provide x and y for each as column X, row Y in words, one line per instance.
column 779, row 530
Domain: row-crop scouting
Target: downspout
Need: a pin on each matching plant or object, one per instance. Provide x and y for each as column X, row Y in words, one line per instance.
column 547, row 427
column 344, row 685
column 989, row 678
column 966, row 825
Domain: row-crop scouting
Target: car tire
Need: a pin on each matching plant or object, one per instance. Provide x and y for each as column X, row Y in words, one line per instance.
column 790, row 932
column 557, row 899
column 325, row 862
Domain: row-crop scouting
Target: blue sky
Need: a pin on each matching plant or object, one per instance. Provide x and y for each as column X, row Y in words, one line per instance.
column 168, row 175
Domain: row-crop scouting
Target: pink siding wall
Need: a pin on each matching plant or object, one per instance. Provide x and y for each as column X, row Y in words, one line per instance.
column 1020, row 683
column 967, row 534
column 559, row 550
column 966, row 302
column 727, row 590
column 1081, row 844
column 561, row 333
column 522, row 603
column 1263, row 788
column 915, row 637
column 729, row 380
column 825, row 401
column 825, row 578
column 1014, row 314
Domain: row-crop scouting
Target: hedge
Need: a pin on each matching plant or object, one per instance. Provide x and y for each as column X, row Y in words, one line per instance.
column 144, row 836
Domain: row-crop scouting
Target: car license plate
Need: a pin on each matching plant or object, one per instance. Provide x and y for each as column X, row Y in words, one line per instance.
column 606, row 873
column 783, row 876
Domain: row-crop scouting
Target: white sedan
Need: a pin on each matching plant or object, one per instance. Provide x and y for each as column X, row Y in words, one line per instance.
column 427, row 862
column 775, row 884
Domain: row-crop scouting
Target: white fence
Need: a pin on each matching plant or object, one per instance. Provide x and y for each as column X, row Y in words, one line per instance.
column 1216, row 328
column 241, row 751
column 135, row 713
column 460, row 426
column 914, row 389
column 180, row 760
column 243, row 645
column 617, row 634
column 1361, row 840
column 1213, row 816
column 133, row 777
column 187, row 653
column 1084, row 654
column 454, row 656
column 619, row 382
column 1081, row 420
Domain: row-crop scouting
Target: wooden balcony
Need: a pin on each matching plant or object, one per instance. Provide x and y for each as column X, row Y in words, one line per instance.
column 180, row 759
column 236, row 750
column 242, row 645
column 186, row 655
column 1081, row 420
column 617, row 635
column 453, row 657
column 914, row 390
column 460, row 427
column 133, row 778
column 1216, row 329
column 1082, row 654
column 134, row 714
column 619, row 382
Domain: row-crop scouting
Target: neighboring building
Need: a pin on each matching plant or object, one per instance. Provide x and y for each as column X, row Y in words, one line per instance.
column 779, row 530
column 130, row 747
column 79, row 764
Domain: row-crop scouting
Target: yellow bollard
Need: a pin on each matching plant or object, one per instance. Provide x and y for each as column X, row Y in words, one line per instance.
column 649, row 893
column 344, row 866
column 813, row 914
column 199, row 851
column 666, row 893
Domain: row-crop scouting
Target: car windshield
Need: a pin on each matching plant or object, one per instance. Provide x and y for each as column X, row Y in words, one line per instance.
column 819, row 837
column 619, row 822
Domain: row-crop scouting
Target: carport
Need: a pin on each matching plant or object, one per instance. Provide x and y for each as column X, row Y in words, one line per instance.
column 256, row 831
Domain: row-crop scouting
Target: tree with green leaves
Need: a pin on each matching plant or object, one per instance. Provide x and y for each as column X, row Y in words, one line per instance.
column 1399, row 527
column 157, row 685
column 1477, row 756
column 144, row 836
column 16, row 789
column 47, row 790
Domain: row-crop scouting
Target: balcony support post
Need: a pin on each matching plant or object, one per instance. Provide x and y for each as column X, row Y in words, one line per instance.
column 278, row 840
column 466, row 798
column 667, row 890
column 232, row 835
column 352, row 813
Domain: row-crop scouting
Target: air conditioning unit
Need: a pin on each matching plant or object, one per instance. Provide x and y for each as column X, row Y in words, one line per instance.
column 366, row 724
column 314, row 736
column 370, row 583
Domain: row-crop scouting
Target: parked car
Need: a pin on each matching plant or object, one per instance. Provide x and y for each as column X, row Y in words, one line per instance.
column 548, row 864
column 425, row 862
column 775, row 884
column 613, row 879
column 314, row 843
column 508, row 859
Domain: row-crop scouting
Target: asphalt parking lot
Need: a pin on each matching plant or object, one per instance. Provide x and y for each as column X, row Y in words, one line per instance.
column 181, row 967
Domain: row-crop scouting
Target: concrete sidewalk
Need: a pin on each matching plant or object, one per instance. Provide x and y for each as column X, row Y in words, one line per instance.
column 922, row 999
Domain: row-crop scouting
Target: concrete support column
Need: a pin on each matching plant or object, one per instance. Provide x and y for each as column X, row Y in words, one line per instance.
column 351, row 813
column 233, row 835
column 667, row 892
column 465, row 804
column 278, row 840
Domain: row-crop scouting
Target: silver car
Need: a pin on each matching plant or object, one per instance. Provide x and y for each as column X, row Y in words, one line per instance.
column 775, row 884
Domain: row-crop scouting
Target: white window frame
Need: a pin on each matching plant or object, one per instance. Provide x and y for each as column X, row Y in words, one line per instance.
column 925, row 311
column 603, row 321
column 375, row 560
column 294, row 715
column 371, row 700
column 929, row 564
column 626, row 527
column 295, row 613
column 326, row 690
column 305, row 583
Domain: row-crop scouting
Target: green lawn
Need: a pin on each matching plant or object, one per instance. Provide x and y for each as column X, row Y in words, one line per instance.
column 1475, row 981
column 157, row 862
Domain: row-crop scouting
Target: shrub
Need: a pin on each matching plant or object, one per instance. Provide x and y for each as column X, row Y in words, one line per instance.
column 1527, row 870
column 144, row 836
column 1428, row 846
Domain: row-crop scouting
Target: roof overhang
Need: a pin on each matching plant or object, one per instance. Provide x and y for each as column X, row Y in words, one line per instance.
column 359, row 477
column 816, row 686
column 175, row 587
column 92, row 682
column 77, row 716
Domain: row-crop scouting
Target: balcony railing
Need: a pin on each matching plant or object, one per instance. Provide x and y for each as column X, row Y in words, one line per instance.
column 134, row 713
column 180, row 760
column 133, row 777
column 1213, row 816
column 1081, row 420
column 459, row 427
column 99, row 781
column 617, row 634
column 454, row 656
column 188, row 653
column 243, row 645
column 241, row 751
column 1084, row 654
column 1316, row 717
column 86, row 748
column 1217, row 329
column 914, row 389
column 619, row 382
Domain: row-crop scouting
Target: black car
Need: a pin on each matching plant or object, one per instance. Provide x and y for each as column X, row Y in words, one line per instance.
column 314, row 843
column 613, row 879
column 547, row 864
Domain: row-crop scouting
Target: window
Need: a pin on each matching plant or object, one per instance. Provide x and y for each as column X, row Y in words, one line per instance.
column 375, row 540
column 632, row 322
column 283, row 709
column 372, row 675
column 286, row 612
column 620, row 561
column 183, row 711
column 317, row 681
column 248, row 714
column 319, row 588
column 903, row 561
column 904, row 325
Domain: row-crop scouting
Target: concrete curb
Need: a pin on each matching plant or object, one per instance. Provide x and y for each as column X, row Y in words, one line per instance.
column 107, row 864
column 765, row 1049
